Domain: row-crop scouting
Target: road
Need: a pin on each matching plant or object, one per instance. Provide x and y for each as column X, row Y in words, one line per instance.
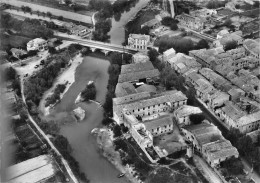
column 210, row 174
column 65, row 163
column 97, row 44
column 53, row 11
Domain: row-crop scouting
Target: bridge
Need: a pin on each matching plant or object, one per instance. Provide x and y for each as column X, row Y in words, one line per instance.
column 97, row 45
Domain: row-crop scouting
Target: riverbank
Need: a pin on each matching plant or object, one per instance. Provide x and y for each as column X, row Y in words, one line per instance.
column 105, row 143
column 68, row 76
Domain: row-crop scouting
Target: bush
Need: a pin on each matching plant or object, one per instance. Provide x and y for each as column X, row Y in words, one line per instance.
column 230, row 45
column 197, row 118
column 233, row 165
column 89, row 93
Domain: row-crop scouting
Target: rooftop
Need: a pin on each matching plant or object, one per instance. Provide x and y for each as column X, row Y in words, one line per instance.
column 233, row 111
column 140, row 36
column 169, row 52
column 146, row 88
column 32, row 170
column 187, row 110
column 18, row 51
column 154, row 100
column 250, row 118
column 252, row 45
column 136, row 67
column 138, row 75
column 36, row 41
column 158, row 122
column 125, row 88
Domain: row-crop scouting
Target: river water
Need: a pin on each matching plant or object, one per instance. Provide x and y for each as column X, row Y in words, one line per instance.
column 117, row 32
column 84, row 145
column 85, row 149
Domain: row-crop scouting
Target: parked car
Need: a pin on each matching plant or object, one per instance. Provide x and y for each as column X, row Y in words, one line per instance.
column 36, row 66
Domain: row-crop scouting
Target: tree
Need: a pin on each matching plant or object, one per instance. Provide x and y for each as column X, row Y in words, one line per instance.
column 233, row 165
column 60, row 18
column 89, row 93
column 117, row 131
column 49, row 14
column 145, row 30
column 10, row 73
column 153, row 54
column 62, row 144
column 174, row 26
column 67, row 2
column 230, row 45
column 202, row 44
column 197, row 118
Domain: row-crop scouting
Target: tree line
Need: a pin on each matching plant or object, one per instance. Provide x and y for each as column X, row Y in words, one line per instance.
column 28, row 27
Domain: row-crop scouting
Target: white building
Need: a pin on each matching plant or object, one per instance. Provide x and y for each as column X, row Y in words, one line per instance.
column 37, row 44
column 138, row 41
column 182, row 114
column 168, row 54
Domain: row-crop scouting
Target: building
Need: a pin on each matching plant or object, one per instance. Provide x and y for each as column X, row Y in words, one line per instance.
column 203, row 12
column 191, row 22
column 182, row 114
column 227, row 38
column 208, row 140
column 181, row 63
column 160, row 125
column 35, row 170
column 252, row 47
column 127, row 88
column 136, row 67
column 140, row 58
column 18, row 53
column 138, row 41
column 149, row 107
column 168, row 54
column 148, row 76
column 37, row 44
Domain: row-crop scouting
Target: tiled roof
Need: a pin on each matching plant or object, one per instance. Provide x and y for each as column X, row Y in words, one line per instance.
column 136, row 67
column 233, row 111
column 123, row 89
column 135, row 97
column 151, row 23
column 250, row 118
column 146, row 88
column 158, row 122
column 187, row 110
column 140, row 36
column 138, row 75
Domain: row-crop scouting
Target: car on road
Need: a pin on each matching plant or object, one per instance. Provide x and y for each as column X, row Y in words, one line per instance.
column 36, row 66
column 26, row 75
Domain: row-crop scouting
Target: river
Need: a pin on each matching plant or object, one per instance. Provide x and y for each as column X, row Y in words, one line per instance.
column 117, row 32
column 85, row 149
column 84, row 145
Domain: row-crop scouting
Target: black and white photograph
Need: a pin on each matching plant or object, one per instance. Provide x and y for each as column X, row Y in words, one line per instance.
column 130, row 91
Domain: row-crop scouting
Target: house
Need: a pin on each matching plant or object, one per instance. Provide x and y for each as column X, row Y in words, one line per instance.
column 168, row 54
column 208, row 140
column 159, row 126
column 18, row 53
column 136, row 67
column 252, row 47
column 196, row 23
column 182, row 114
column 37, row 44
column 223, row 41
column 235, row 93
column 230, row 114
column 203, row 88
column 38, row 169
column 249, row 122
column 217, row 99
column 138, row 41
column 149, row 107
column 222, row 33
column 140, row 58
column 141, row 76
column 181, row 63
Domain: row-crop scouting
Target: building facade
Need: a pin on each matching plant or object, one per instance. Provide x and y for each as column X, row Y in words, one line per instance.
column 138, row 41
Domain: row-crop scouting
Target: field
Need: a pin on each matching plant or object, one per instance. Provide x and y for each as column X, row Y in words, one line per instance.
column 82, row 7
column 13, row 41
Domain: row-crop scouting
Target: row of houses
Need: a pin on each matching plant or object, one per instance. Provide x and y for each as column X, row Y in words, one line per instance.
column 218, row 92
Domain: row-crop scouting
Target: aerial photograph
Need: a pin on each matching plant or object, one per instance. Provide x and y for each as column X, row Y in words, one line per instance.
column 130, row 91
